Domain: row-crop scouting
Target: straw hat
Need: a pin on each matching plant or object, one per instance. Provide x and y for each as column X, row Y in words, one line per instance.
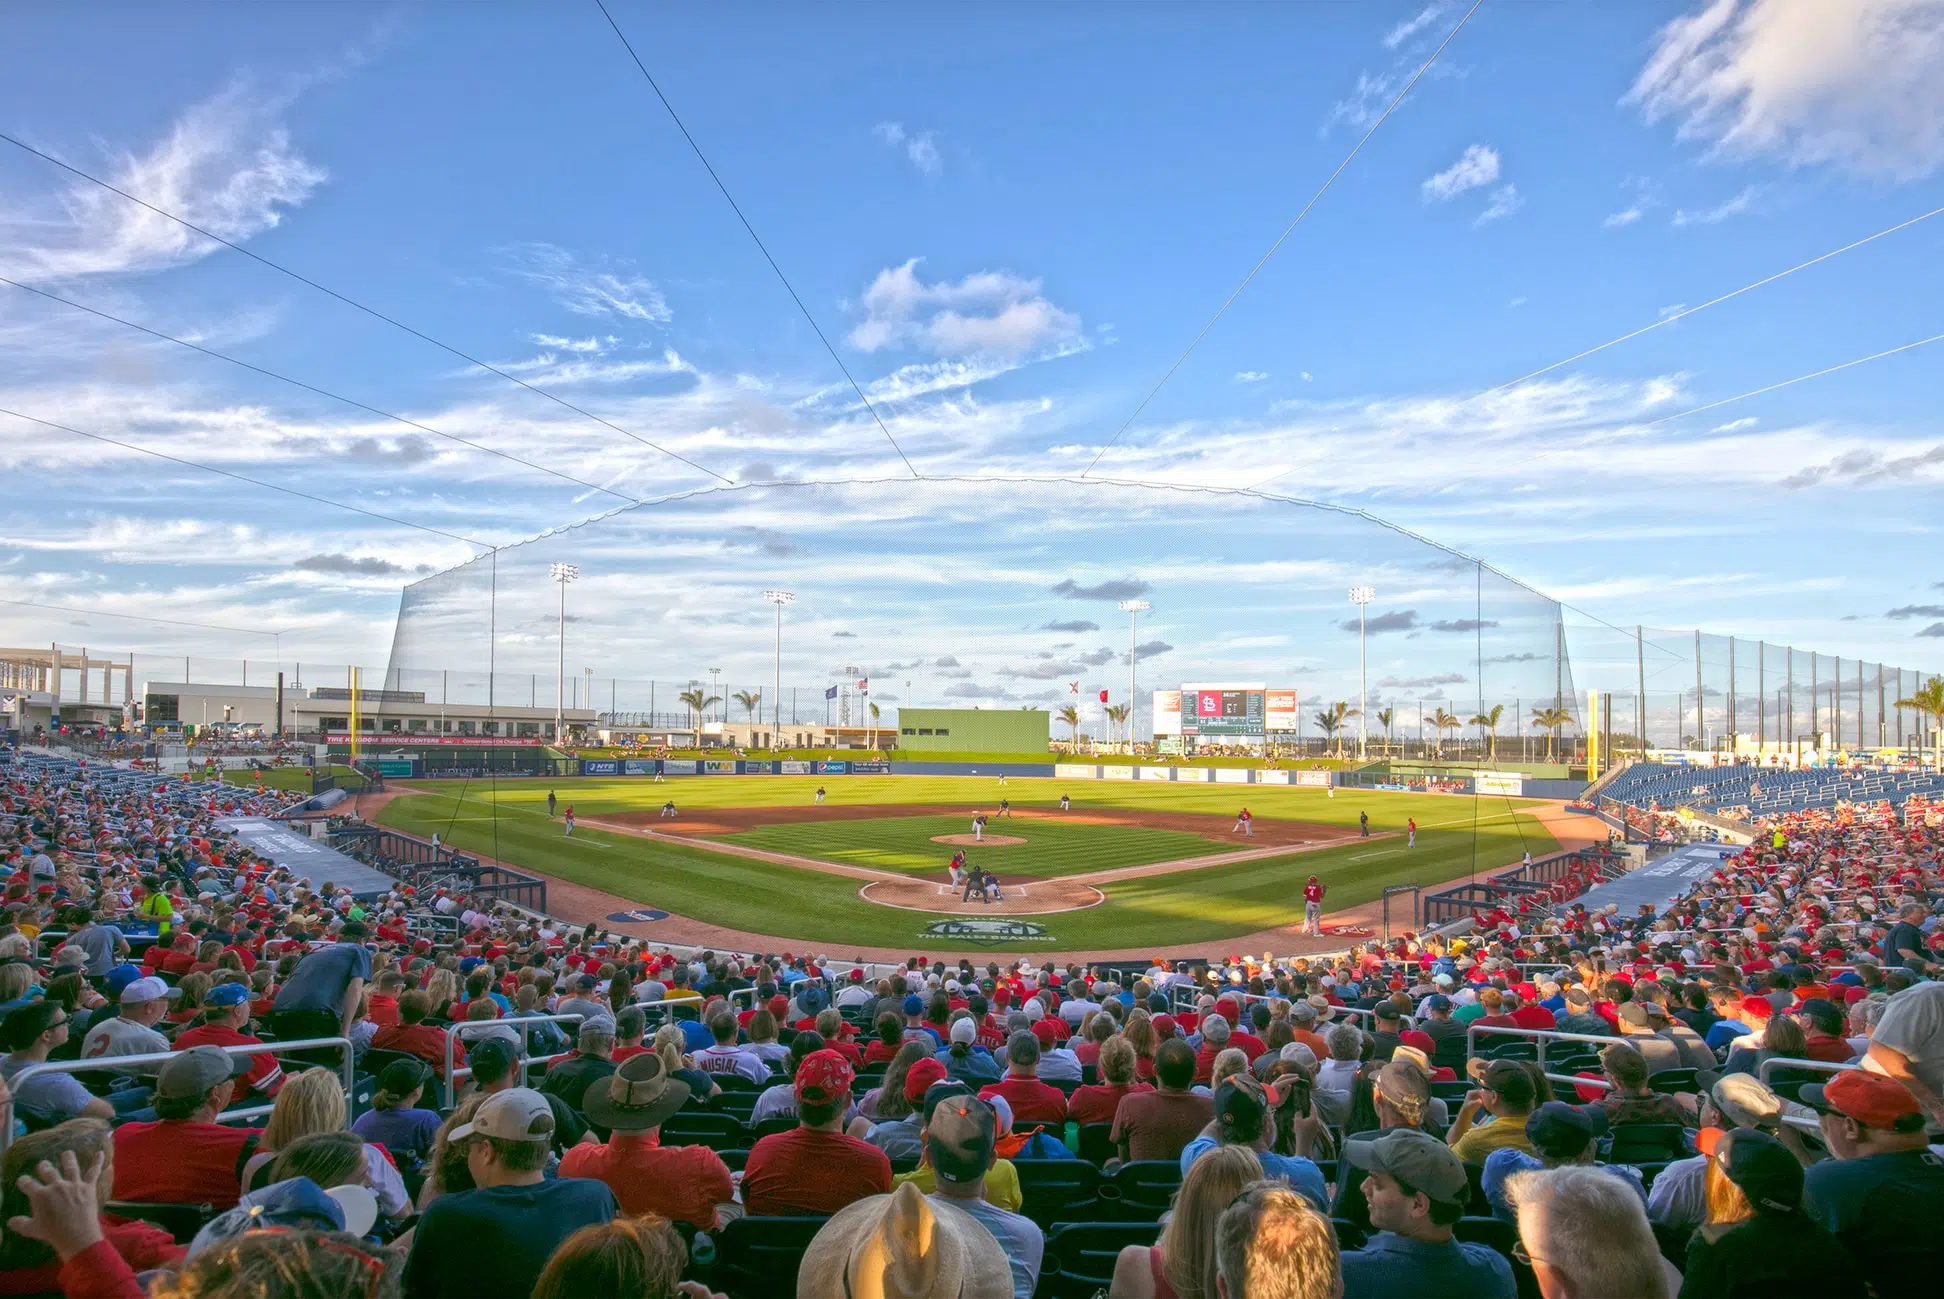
column 904, row 1246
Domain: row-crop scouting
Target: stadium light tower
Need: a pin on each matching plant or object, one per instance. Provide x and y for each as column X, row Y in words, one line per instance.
column 563, row 574
column 779, row 599
column 1361, row 596
column 1132, row 608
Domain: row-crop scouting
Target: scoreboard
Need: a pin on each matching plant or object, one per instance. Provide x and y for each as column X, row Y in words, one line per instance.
column 1223, row 711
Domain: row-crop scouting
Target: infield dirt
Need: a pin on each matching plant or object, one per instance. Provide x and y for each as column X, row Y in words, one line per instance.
column 705, row 822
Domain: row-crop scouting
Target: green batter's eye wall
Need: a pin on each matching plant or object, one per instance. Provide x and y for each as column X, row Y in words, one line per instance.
column 975, row 730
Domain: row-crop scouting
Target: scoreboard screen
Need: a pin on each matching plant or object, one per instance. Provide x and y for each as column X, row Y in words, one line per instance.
column 1222, row 710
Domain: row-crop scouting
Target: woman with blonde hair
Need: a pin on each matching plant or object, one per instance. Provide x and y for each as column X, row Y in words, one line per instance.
column 667, row 1046
column 1141, row 1036
column 312, row 1101
column 1096, row 1103
column 1181, row 1265
column 762, row 1038
column 442, row 990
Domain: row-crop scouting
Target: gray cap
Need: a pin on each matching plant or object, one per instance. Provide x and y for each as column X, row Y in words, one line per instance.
column 198, row 1070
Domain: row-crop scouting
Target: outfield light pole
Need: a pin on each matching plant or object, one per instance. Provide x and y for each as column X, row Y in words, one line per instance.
column 779, row 599
column 1361, row 596
column 563, row 574
column 1132, row 608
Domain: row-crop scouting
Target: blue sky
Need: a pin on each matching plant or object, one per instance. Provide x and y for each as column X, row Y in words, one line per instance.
column 1009, row 221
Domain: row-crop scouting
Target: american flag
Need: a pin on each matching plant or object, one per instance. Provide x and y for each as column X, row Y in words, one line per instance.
column 863, row 685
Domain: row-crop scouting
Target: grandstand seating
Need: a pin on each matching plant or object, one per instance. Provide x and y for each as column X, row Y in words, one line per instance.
column 1092, row 1206
column 1732, row 788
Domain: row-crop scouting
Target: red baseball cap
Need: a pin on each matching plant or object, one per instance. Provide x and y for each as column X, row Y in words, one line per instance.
column 920, row 1077
column 1759, row 1007
column 1046, row 1033
column 1870, row 1098
column 1164, row 1026
column 823, row 1077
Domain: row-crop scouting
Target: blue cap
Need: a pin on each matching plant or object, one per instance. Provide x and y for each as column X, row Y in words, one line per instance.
column 470, row 964
column 814, row 998
column 120, row 977
column 914, row 1004
column 1437, row 1001
column 297, row 1203
column 227, row 994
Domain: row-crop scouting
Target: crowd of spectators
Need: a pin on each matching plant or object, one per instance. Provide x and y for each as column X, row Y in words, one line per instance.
column 1741, row 1103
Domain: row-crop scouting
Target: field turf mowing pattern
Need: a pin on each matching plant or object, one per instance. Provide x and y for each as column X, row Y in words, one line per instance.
column 1194, row 905
column 904, row 843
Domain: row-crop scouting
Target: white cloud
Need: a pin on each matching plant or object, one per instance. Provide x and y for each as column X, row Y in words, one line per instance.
column 1626, row 216
column 1857, row 83
column 588, row 346
column 1505, row 201
column 988, row 313
column 1252, row 376
column 1410, row 27
column 590, row 290
column 1477, row 167
column 1306, row 376
column 1720, row 212
column 227, row 164
column 1736, row 425
column 920, row 147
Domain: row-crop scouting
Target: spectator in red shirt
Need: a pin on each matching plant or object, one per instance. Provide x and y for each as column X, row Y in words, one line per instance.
column 890, row 1036
column 226, row 1013
column 1215, row 1034
column 815, row 1167
column 30, row 1265
column 1032, row 1101
column 1822, row 1023
column 1239, row 1035
column 681, row 1183
column 1529, row 1015
column 1097, row 1103
column 414, row 1036
column 382, row 1009
column 185, row 1156
column 177, row 958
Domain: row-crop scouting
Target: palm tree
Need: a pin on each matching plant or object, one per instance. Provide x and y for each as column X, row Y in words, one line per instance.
column 1551, row 719
column 1929, row 701
column 1488, row 722
column 1117, row 715
column 1338, row 713
column 1071, row 716
column 699, row 702
column 1444, row 720
column 1329, row 723
column 750, row 700
column 1384, row 718
column 875, row 714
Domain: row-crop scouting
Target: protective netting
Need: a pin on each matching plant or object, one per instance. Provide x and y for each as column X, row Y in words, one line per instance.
column 1691, row 690
column 999, row 593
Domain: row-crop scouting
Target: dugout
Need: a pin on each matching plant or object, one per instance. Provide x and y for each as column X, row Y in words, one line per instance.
column 974, row 730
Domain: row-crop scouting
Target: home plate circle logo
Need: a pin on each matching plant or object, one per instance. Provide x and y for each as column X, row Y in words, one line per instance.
column 986, row 933
column 639, row 917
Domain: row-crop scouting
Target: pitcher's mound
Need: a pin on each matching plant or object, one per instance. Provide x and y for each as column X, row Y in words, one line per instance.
column 966, row 840
column 1038, row 898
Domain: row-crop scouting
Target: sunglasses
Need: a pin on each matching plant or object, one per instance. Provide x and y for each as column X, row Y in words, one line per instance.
column 1523, row 1255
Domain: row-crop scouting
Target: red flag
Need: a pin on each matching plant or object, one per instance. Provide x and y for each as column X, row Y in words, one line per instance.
column 1103, row 696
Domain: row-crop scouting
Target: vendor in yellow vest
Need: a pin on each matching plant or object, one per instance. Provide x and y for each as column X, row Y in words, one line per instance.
column 156, row 905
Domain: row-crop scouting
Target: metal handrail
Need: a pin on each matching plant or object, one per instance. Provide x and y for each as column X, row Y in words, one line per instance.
column 1539, row 1035
column 117, row 1062
column 1775, row 1062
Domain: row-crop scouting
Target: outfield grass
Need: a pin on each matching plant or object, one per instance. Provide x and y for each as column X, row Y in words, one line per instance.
column 904, row 843
column 1197, row 905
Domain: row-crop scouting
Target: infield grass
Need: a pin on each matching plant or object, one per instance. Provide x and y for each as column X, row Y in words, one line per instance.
column 904, row 843
column 1196, row 905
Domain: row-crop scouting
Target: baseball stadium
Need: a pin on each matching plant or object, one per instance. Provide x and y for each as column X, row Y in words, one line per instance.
column 1105, row 651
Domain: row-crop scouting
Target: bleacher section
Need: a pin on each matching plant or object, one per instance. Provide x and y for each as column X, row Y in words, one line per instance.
column 1765, row 791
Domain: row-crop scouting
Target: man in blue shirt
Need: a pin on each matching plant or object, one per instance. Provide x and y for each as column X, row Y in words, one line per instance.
column 960, row 1137
column 1417, row 1189
column 495, row 1240
column 320, row 999
column 1245, row 1116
